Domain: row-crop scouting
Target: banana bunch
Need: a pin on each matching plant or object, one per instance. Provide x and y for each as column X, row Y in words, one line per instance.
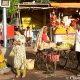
column 64, row 46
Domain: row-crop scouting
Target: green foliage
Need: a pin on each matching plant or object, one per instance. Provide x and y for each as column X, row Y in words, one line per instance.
column 43, row 1
column 26, row 0
column 12, row 9
column 37, row 0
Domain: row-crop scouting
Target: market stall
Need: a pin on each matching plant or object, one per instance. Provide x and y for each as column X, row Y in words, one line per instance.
column 63, row 21
column 33, row 14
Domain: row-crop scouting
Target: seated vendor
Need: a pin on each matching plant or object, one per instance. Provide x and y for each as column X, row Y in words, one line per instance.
column 43, row 41
column 2, row 61
column 45, row 38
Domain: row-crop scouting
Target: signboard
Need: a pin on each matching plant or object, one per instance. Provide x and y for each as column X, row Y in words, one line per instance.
column 32, row 19
column 10, row 32
column 5, row 3
column 70, row 38
column 26, row 22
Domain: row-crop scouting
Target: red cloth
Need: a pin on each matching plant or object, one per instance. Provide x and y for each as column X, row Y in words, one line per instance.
column 44, row 37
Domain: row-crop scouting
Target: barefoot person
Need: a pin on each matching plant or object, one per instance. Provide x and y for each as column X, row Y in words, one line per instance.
column 19, row 53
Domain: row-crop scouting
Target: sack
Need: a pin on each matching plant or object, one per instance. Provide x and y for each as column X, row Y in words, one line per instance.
column 44, row 45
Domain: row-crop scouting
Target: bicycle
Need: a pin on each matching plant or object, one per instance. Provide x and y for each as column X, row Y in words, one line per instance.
column 63, row 58
column 68, row 57
column 39, row 59
column 72, row 60
column 45, row 60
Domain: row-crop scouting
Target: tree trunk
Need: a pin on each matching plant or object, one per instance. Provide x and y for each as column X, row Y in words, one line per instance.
column 11, row 16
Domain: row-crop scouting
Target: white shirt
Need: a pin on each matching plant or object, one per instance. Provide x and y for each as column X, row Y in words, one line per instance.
column 77, row 41
column 28, row 33
column 66, row 21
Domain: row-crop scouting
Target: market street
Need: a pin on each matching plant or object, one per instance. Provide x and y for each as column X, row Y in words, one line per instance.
column 35, row 74
column 60, row 74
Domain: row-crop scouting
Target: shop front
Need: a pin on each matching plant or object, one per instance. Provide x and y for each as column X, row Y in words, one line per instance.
column 35, row 15
column 63, row 21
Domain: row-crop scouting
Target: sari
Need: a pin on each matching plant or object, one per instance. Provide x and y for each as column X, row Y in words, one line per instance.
column 40, row 44
column 19, row 52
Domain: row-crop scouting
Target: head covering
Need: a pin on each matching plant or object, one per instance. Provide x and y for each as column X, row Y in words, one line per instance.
column 39, row 38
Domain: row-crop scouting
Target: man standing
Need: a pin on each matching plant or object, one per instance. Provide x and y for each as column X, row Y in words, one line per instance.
column 28, row 33
column 77, row 43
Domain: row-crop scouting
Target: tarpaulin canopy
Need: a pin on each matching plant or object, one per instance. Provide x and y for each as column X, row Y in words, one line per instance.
column 65, row 5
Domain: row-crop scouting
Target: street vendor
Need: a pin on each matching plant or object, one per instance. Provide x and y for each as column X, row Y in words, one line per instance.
column 43, row 41
column 77, row 42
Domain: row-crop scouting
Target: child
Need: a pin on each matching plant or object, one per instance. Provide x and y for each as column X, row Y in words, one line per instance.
column 2, row 61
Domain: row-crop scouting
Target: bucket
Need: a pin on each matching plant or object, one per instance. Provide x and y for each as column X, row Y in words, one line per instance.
column 30, row 64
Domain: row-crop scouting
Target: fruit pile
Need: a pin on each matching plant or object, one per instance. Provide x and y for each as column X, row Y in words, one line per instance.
column 65, row 46
column 70, row 30
column 61, row 30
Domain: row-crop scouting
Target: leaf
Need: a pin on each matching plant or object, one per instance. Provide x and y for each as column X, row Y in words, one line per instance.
column 12, row 9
